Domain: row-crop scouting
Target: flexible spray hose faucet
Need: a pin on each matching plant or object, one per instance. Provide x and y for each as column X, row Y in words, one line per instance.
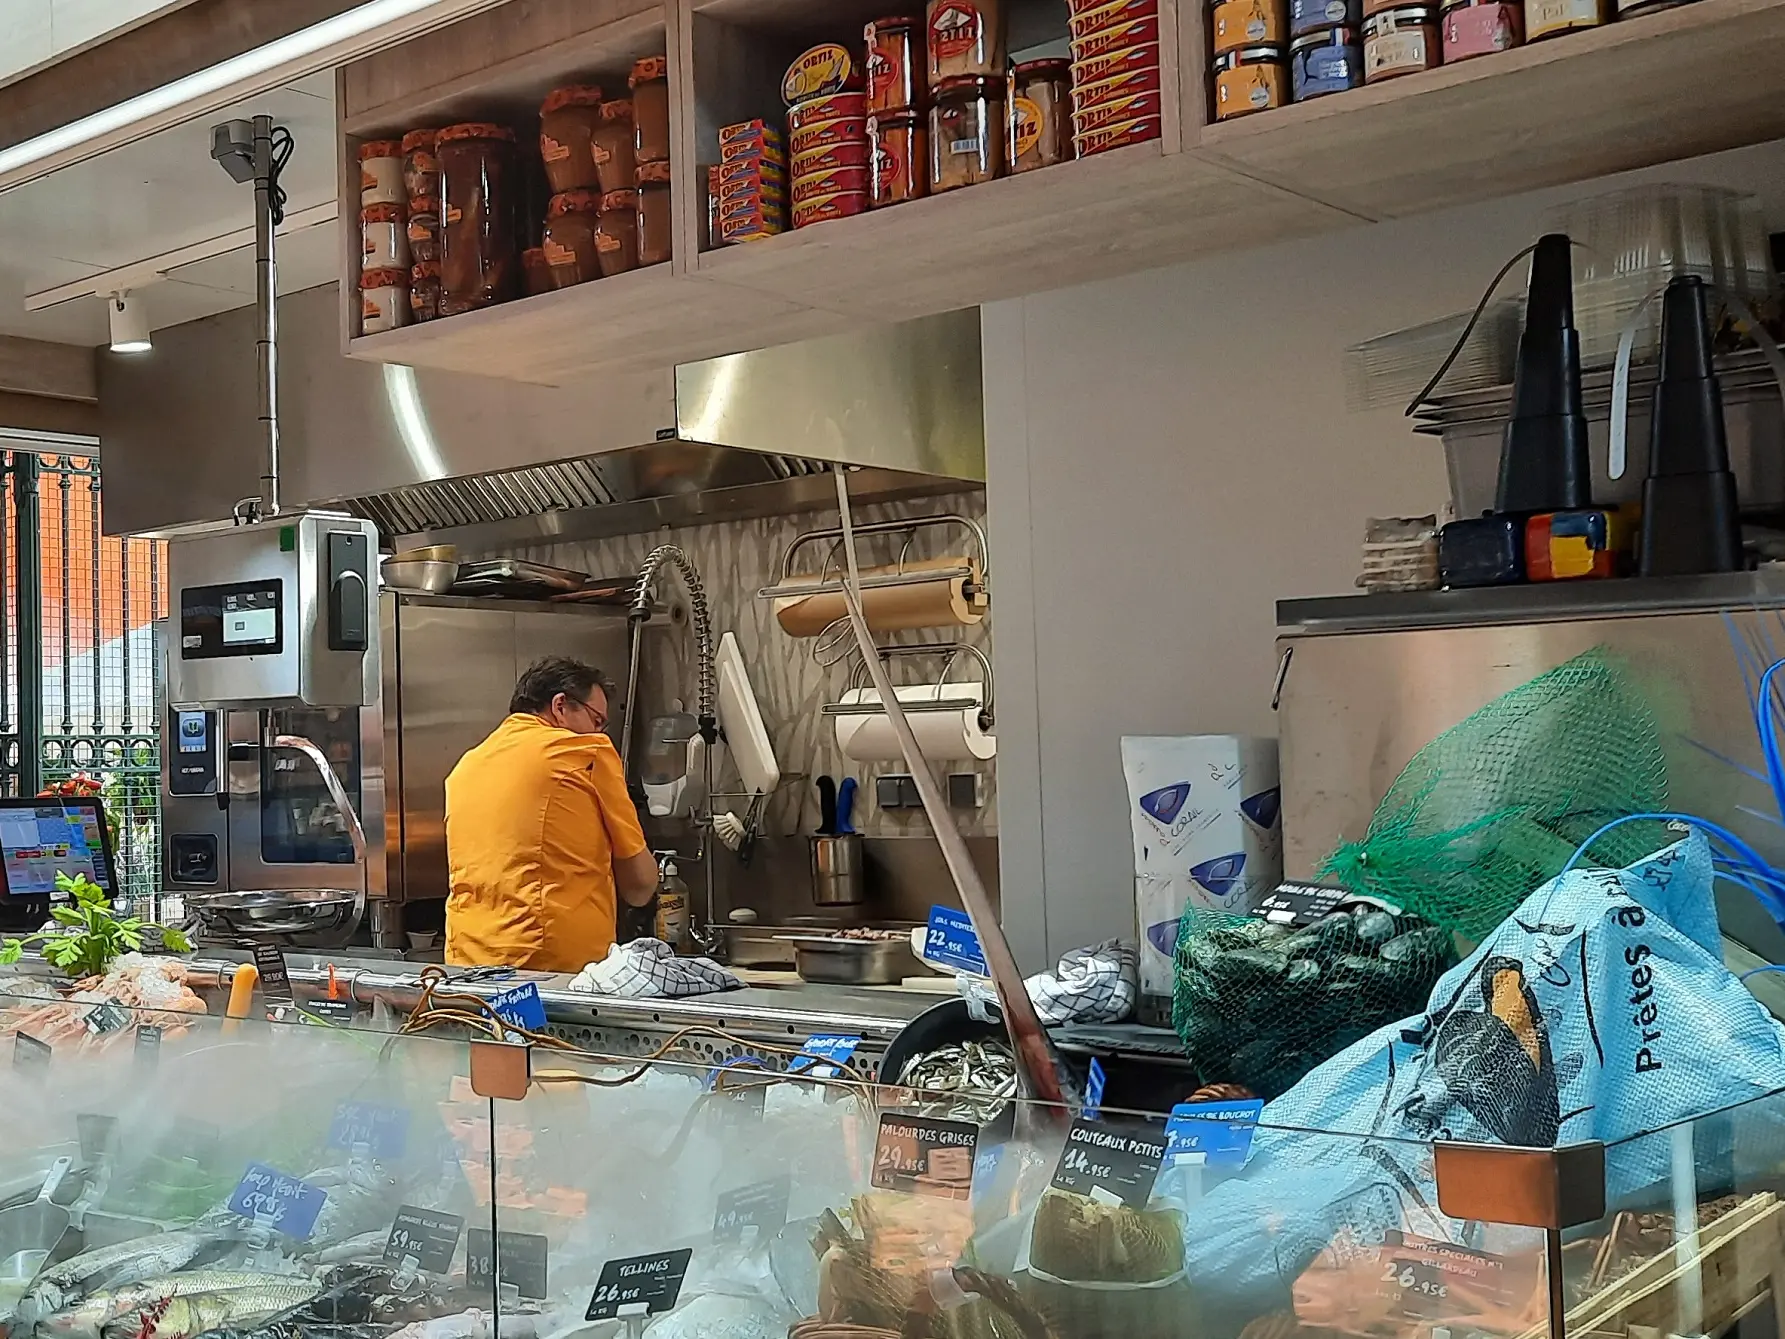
column 708, row 937
column 708, row 714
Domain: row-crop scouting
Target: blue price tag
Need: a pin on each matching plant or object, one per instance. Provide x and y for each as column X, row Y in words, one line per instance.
column 985, row 1167
column 950, row 941
column 832, row 1046
column 1095, row 1082
column 1217, row 1134
column 384, row 1130
column 520, row 1005
column 284, row 1203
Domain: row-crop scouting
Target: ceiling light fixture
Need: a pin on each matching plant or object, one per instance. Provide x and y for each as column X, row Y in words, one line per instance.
column 360, row 31
column 130, row 324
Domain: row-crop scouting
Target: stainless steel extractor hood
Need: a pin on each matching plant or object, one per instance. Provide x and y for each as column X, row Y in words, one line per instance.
column 487, row 462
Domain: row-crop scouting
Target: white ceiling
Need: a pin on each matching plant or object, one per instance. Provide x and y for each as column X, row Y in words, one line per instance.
column 155, row 196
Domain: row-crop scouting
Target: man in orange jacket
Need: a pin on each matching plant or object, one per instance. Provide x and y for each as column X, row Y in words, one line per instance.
column 542, row 840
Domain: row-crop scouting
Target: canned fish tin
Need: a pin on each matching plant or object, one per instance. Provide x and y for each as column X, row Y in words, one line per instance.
column 1312, row 16
column 1401, row 41
column 1239, row 23
column 1474, row 29
column 1251, row 79
column 1326, row 62
column 1548, row 18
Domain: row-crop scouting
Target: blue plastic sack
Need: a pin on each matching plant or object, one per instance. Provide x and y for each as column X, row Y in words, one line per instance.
column 1599, row 1010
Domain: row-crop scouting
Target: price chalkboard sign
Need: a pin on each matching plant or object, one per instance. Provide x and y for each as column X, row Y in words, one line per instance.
column 640, row 1285
column 109, row 1016
column 750, row 1213
column 28, row 1053
column 523, row 1261
column 425, row 1237
column 1113, row 1163
column 922, row 1155
column 146, row 1051
column 275, row 980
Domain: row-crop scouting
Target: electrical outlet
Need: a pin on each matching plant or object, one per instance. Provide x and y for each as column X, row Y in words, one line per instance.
column 966, row 790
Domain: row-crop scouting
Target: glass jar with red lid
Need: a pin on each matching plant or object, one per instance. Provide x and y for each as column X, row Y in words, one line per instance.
column 569, row 241
column 899, row 148
column 1040, row 114
column 895, row 65
column 650, row 108
column 966, row 132
column 616, row 233
column 479, row 189
column 656, row 228
column 567, row 121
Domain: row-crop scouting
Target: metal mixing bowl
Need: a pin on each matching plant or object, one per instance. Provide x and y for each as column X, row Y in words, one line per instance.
column 429, row 576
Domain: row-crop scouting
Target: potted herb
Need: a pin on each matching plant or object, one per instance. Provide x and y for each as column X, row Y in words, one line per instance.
column 89, row 936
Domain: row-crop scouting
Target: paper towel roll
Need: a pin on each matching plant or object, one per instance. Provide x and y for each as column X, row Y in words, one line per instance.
column 930, row 604
column 944, row 736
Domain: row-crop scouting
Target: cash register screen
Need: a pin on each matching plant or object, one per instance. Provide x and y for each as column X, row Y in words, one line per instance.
column 43, row 837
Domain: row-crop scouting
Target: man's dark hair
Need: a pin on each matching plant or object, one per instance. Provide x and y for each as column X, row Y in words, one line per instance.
column 545, row 679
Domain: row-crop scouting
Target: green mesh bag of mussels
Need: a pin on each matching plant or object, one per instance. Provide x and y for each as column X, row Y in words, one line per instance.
column 1484, row 814
column 1495, row 807
column 1261, row 1004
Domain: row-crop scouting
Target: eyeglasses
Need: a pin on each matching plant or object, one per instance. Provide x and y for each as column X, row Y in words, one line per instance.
column 599, row 717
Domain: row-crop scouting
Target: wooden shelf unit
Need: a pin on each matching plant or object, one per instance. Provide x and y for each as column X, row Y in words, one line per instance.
column 1688, row 81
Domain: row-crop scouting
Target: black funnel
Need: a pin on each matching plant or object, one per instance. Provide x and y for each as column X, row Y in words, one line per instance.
column 1689, row 520
column 1543, row 460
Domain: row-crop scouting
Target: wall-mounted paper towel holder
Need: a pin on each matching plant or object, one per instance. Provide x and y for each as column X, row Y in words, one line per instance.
column 792, row 586
column 950, row 652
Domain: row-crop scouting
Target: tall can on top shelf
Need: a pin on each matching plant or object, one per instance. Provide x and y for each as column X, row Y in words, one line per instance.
column 1205, row 812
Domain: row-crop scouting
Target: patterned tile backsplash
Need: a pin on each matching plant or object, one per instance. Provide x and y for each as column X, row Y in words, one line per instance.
column 735, row 560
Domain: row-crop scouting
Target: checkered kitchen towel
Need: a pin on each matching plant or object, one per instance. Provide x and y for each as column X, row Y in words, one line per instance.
column 648, row 969
column 1091, row 985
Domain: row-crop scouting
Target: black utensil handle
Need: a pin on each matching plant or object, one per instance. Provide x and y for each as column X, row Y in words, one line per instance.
column 827, row 806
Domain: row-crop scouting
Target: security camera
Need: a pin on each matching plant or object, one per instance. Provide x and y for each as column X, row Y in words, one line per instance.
column 232, row 144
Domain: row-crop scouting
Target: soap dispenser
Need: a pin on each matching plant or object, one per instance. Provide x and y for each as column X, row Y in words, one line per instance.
column 1689, row 519
column 1543, row 459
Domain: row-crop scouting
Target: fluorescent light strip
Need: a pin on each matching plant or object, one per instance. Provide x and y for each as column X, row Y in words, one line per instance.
column 349, row 36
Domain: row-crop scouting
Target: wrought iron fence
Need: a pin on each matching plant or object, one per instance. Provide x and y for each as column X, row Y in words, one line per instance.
column 77, row 618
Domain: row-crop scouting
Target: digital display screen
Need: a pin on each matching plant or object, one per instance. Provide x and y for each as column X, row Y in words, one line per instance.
column 44, row 838
column 244, row 619
column 194, row 726
column 250, row 618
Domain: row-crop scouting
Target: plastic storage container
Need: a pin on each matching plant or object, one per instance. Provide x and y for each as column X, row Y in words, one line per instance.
column 1633, row 241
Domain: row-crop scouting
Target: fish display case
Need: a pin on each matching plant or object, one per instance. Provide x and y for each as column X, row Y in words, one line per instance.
column 257, row 1179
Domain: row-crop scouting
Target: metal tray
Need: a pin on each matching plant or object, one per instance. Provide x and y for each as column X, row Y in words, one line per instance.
column 853, row 962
